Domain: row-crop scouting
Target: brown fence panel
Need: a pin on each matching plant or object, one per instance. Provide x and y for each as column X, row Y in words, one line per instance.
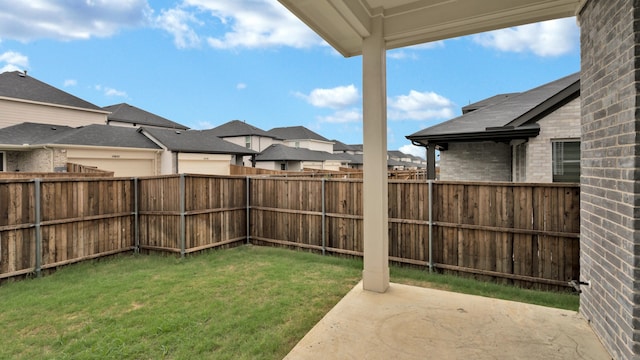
column 287, row 211
column 344, row 216
column 17, row 228
column 83, row 219
column 215, row 211
column 408, row 221
column 159, row 213
column 516, row 232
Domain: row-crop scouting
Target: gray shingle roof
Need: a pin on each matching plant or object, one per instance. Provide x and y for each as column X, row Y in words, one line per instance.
column 130, row 114
column 296, row 133
column 15, row 84
column 353, row 159
column 239, row 128
column 516, row 114
column 195, row 141
column 340, row 146
column 279, row 152
column 91, row 135
column 486, row 102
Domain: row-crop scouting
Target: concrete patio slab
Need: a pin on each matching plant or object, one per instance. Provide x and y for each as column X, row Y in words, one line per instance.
column 410, row 322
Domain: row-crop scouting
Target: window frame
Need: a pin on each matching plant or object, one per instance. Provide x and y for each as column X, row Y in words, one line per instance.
column 558, row 172
column 3, row 161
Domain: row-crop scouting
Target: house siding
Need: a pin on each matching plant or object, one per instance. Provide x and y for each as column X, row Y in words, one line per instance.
column 17, row 112
column 564, row 123
column 476, row 161
column 610, row 191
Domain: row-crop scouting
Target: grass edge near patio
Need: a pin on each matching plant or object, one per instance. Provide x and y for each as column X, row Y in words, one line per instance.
column 95, row 309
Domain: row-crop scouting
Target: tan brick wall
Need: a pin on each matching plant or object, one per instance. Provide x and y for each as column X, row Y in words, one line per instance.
column 564, row 123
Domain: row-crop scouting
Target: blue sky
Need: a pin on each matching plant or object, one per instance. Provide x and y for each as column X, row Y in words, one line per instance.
column 205, row 62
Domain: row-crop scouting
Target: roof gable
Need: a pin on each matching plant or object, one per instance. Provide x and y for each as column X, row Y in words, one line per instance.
column 297, row 133
column 279, row 152
column 514, row 115
column 92, row 135
column 235, row 128
column 130, row 114
column 194, row 141
column 18, row 85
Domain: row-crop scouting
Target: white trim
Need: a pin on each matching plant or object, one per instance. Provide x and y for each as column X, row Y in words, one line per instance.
column 54, row 105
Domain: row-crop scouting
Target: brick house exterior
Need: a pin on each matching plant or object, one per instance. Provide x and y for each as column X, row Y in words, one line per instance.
column 610, row 191
column 510, row 137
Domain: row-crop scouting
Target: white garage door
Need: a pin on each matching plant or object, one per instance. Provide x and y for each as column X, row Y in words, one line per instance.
column 122, row 163
column 204, row 164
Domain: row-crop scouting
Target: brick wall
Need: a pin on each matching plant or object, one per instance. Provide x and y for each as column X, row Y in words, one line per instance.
column 564, row 123
column 610, row 191
column 476, row 161
column 38, row 160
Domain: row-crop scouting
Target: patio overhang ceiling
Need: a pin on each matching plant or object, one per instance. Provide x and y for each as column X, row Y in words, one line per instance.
column 344, row 23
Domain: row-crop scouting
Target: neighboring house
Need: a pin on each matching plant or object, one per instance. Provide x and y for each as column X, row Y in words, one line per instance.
column 301, row 137
column 24, row 98
column 194, row 151
column 127, row 115
column 31, row 147
column 533, row 136
column 246, row 135
column 282, row 157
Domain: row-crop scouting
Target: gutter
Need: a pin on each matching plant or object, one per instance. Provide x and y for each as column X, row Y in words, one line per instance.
column 491, row 134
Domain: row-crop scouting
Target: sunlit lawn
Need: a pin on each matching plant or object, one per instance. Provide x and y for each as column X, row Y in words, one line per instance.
column 243, row 303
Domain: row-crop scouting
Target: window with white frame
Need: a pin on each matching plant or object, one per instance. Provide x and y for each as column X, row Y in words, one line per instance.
column 566, row 160
column 520, row 157
column 247, row 142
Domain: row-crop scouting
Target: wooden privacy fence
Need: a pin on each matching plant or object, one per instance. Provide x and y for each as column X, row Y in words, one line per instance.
column 521, row 233
column 189, row 213
column 52, row 222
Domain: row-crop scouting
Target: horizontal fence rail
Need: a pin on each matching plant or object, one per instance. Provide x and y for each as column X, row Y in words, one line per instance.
column 516, row 233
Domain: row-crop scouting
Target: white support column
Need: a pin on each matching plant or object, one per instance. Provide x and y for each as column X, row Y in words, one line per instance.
column 376, row 225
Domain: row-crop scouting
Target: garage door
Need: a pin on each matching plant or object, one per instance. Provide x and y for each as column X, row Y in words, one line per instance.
column 204, row 164
column 122, row 163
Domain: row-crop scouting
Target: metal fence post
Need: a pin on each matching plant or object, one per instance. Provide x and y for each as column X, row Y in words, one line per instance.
column 182, row 216
column 38, row 228
column 136, row 220
column 248, row 241
column 324, row 236
column 430, row 225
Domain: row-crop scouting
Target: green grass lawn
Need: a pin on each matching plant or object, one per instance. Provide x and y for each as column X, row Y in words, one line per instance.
column 243, row 303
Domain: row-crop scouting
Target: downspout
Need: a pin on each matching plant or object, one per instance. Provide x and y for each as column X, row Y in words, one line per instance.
column 51, row 162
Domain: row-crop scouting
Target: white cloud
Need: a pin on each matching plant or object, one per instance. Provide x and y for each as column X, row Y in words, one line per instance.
column 70, row 82
column 203, row 125
column 548, row 38
column 419, row 106
column 411, row 52
column 255, row 24
column 14, row 58
column 108, row 91
column 13, row 61
column 68, row 20
column 178, row 22
column 9, row 67
column 413, row 150
column 338, row 97
column 241, row 86
column 342, row 116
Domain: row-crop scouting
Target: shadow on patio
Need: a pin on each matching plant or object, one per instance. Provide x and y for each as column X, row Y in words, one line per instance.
column 410, row 322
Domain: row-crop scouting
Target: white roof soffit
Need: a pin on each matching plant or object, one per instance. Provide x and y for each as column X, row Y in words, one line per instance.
column 344, row 23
